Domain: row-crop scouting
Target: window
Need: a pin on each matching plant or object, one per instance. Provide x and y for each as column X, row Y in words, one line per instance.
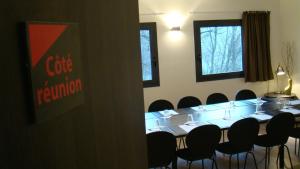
column 149, row 54
column 218, row 49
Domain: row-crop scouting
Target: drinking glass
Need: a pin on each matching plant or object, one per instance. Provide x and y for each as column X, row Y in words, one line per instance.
column 259, row 102
column 227, row 114
column 231, row 104
column 190, row 118
column 286, row 103
column 201, row 108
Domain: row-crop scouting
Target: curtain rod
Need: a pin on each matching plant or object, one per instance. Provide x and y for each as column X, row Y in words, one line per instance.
column 209, row 12
column 192, row 12
column 257, row 11
column 204, row 12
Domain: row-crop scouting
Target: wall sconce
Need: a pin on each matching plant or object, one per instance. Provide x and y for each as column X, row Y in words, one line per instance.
column 175, row 28
column 174, row 20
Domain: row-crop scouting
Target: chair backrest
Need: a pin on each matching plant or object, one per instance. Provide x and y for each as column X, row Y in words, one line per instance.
column 188, row 101
column 280, row 126
column 243, row 133
column 245, row 94
column 216, row 98
column 160, row 105
column 161, row 148
column 203, row 140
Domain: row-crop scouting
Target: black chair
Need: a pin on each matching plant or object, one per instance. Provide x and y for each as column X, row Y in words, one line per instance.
column 161, row 148
column 201, row 143
column 241, row 137
column 160, row 105
column 216, row 98
column 245, row 94
column 278, row 130
column 185, row 102
column 188, row 101
column 295, row 133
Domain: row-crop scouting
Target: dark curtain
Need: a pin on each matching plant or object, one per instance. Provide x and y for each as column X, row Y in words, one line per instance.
column 256, row 34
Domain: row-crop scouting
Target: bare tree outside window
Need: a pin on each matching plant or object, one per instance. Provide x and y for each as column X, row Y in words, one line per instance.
column 146, row 54
column 219, row 53
column 149, row 54
column 221, row 49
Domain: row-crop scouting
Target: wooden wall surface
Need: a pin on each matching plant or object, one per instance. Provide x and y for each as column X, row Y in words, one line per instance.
column 107, row 132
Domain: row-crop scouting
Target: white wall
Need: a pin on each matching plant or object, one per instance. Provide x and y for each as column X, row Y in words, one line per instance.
column 176, row 52
column 290, row 31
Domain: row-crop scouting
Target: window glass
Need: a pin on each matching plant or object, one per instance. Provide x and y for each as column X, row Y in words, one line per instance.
column 146, row 54
column 218, row 49
column 149, row 54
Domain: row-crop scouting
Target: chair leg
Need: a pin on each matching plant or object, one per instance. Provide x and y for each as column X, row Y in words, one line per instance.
column 266, row 158
column 174, row 163
column 238, row 161
column 215, row 160
column 202, row 164
column 269, row 156
column 277, row 158
column 289, row 156
column 295, row 146
column 246, row 160
column 230, row 161
column 298, row 147
column 254, row 159
column 190, row 164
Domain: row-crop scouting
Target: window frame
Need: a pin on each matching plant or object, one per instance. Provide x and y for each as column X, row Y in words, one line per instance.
column 198, row 58
column 151, row 26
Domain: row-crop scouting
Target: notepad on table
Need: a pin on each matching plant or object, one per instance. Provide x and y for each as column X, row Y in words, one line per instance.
column 188, row 127
column 255, row 101
column 261, row 116
column 291, row 110
column 168, row 113
column 294, row 102
column 222, row 123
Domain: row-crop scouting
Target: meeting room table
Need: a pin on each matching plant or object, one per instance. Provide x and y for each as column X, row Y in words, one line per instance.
column 179, row 122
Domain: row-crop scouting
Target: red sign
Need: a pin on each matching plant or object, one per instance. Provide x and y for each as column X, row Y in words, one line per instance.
column 55, row 68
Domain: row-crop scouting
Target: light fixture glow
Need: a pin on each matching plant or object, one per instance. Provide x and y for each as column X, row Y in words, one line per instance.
column 177, row 28
column 174, row 20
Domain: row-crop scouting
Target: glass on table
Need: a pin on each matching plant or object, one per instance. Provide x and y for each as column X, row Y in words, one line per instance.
column 231, row 104
column 286, row 103
column 259, row 101
column 227, row 114
column 201, row 108
column 258, row 109
column 190, row 118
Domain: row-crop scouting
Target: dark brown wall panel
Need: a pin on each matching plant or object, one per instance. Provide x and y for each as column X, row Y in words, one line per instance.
column 108, row 130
